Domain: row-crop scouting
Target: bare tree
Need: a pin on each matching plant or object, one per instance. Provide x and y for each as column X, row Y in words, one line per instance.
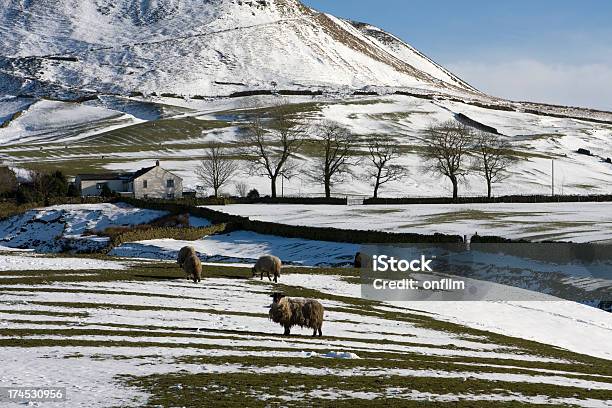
column 271, row 142
column 381, row 153
column 333, row 145
column 493, row 158
column 446, row 150
column 217, row 168
column 242, row 188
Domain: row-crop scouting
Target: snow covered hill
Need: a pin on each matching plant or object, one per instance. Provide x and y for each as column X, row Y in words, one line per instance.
column 196, row 47
column 139, row 81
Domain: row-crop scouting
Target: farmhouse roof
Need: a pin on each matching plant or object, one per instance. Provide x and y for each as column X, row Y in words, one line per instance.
column 142, row 171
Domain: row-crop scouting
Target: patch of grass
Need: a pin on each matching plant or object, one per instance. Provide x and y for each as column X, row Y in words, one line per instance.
column 552, row 226
column 392, row 116
column 381, row 211
column 291, row 109
column 474, row 215
column 374, row 360
column 248, row 389
column 583, row 186
column 155, row 132
column 43, row 313
column 364, row 102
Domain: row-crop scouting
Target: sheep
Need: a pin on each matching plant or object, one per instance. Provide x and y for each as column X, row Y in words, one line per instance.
column 289, row 312
column 184, row 253
column 193, row 268
column 270, row 265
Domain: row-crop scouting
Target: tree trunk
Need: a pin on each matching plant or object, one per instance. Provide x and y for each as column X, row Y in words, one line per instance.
column 376, row 186
column 455, row 187
column 327, row 189
column 489, row 188
column 273, row 186
column 216, row 192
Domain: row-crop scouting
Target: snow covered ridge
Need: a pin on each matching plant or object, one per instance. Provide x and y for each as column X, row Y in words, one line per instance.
column 205, row 48
column 70, row 227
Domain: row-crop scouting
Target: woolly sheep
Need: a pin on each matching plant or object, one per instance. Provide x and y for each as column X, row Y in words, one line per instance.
column 289, row 312
column 184, row 253
column 193, row 268
column 270, row 265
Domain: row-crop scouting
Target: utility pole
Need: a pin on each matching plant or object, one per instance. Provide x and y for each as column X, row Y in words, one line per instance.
column 553, row 177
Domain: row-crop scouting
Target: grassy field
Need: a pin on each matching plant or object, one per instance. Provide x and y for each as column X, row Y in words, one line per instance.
column 166, row 342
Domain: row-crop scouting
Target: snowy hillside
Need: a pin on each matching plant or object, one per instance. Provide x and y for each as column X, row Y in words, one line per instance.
column 192, row 47
column 126, row 134
column 151, row 80
column 69, row 227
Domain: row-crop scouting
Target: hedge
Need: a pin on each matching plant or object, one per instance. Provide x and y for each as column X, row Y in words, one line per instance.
column 261, row 200
column 294, row 92
column 486, row 200
column 292, row 200
column 122, row 235
column 491, row 239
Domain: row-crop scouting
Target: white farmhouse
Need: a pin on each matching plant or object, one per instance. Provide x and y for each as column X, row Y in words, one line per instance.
column 148, row 182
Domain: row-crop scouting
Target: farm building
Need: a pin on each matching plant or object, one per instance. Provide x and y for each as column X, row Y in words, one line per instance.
column 148, row 182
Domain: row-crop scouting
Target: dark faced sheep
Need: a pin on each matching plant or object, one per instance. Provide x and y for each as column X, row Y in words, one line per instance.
column 184, row 253
column 290, row 312
column 270, row 265
column 193, row 268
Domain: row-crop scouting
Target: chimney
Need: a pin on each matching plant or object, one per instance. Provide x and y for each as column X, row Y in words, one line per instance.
column 157, row 163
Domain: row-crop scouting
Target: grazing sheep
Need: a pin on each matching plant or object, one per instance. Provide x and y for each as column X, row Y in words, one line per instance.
column 193, row 268
column 290, row 312
column 270, row 265
column 184, row 253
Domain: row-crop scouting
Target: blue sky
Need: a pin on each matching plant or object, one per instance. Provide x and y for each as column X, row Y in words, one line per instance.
column 557, row 51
